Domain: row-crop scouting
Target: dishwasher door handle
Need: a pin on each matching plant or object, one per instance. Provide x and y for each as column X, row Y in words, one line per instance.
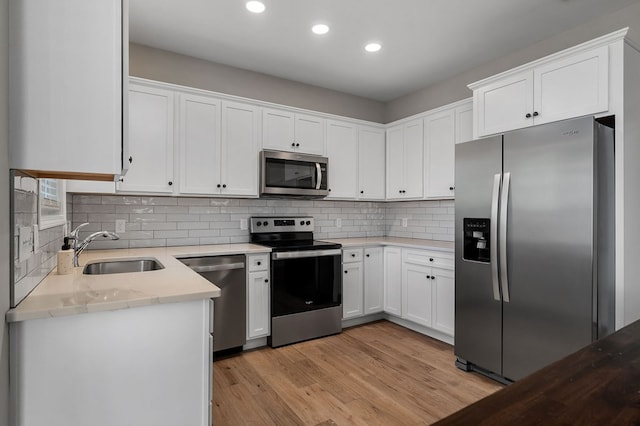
column 215, row 268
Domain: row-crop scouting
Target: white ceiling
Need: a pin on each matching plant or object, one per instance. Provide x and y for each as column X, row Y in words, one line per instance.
column 423, row 41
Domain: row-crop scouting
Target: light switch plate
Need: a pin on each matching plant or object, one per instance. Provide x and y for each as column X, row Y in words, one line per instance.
column 338, row 223
column 120, row 226
column 404, row 222
column 243, row 224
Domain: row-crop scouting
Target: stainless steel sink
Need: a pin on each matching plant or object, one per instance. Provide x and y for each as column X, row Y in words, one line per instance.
column 122, row 266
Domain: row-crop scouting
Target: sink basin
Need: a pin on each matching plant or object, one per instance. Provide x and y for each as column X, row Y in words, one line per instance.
column 122, row 266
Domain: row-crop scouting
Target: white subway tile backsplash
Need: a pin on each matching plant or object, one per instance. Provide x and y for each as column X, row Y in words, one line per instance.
column 199, row 220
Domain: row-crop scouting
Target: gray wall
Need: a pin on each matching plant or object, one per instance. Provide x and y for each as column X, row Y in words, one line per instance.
column 455, row 88
column 5, row 260
column 170, row 67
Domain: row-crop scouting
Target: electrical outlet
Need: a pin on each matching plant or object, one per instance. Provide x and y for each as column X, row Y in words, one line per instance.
column 338, row 223
column 404, row 222
column 243, row 224
column 120, row 226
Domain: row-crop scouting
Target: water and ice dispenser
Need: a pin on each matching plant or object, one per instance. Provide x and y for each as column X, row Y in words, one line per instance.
column 476, row 240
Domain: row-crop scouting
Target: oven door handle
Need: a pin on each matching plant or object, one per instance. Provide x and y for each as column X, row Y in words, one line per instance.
column 304, row 253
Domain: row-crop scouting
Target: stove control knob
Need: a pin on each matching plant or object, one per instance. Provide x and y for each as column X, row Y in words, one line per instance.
column 302, row 222
column 308, row 222
column 258, row 223
column 265, row 223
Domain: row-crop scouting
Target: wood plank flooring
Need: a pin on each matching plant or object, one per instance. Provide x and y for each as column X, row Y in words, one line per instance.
column 374, row 374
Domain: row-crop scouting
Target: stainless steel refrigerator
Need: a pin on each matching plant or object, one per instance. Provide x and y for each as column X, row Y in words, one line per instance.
column 534, row 246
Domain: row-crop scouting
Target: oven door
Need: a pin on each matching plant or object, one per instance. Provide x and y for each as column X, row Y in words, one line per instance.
column 305, row 280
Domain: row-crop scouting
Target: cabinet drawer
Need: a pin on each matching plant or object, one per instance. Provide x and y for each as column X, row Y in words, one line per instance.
column 258, row 262
column 428, row 258
column 351, row 255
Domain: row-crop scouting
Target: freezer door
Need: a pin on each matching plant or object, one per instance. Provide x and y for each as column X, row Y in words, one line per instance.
column 549, row 244
column 478, row 311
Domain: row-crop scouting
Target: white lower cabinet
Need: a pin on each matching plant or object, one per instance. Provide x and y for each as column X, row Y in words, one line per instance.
column 352, row 290
column 258, row 296
column 393, row 281
column 148, row 365
column 416, row 294
column 443, row 288
column 373, row 280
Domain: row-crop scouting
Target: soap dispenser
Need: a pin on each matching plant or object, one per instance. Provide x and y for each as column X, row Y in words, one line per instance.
column 65, row 258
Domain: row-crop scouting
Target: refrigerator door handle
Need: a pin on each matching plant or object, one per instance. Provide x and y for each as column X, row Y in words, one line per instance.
column 493, row 237
column 504, row 203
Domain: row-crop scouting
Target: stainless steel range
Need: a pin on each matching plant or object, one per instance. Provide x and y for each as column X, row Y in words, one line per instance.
column 306, row 279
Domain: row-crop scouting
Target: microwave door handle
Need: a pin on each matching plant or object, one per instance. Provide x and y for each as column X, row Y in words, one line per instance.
column 318, row 175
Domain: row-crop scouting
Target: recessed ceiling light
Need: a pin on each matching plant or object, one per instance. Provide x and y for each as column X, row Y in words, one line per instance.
column 373, row 47
column 320, row 29
column 255, row 6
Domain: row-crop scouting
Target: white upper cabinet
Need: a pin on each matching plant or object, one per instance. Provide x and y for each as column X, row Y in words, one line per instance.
column 439, row 160
column 239, row 150
column 67, row 60
column 371, row 163
column 464, row 122
column 568, row 84
column 151, row 133
column 199, row 125
column 405, row 160
column 342, row 151
column 287, row 131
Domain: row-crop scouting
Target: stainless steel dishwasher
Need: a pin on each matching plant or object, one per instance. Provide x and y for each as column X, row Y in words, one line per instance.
column 230, row 319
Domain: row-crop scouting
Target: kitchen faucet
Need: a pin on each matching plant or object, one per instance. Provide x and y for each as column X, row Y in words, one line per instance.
column 79, row 247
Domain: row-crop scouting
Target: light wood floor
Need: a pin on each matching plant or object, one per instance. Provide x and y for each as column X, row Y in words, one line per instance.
column 378, row 373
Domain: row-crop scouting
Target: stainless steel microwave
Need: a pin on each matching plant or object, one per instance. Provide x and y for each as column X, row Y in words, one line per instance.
column 285, row 174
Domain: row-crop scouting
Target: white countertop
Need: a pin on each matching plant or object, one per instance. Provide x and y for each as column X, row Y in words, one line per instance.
column 446, row 246
column 77, row 293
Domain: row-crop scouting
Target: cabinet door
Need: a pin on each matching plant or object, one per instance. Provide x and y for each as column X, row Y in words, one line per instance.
column 373, row 280
column 371, row 159
column 392, row 281
column 352, row 290
column 150, row 140
column 413, row 162
column 504, row 105
column 239, row 149
column 278, row 129
column 443, row 300
column 342, row 150
column 395, row 158
column 417, row 294
column 440, row 154
column 464, row 123
column 309, row 134
column 575, row 86
column 67, row 61
column 258, row 298
column 199, row 144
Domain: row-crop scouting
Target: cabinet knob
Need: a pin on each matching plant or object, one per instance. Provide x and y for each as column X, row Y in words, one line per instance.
column 121, row 179
column 451, row 188
column 433, row 277
column 368, row 255
column 218, row 186
column 528, row 115
column 130, row 160
column 266, row 280
column 297, row 145
column 329, row 189
column 346, row 272
column 170, row 183
column 258, row 263
column 431, row 259
column 362, row 192
column 293, row 145
column 353, row 255
column 224, row 185
column 428, row 277
column 535, row 113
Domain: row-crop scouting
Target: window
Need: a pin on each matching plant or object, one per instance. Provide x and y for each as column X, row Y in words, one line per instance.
column 52, row 203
